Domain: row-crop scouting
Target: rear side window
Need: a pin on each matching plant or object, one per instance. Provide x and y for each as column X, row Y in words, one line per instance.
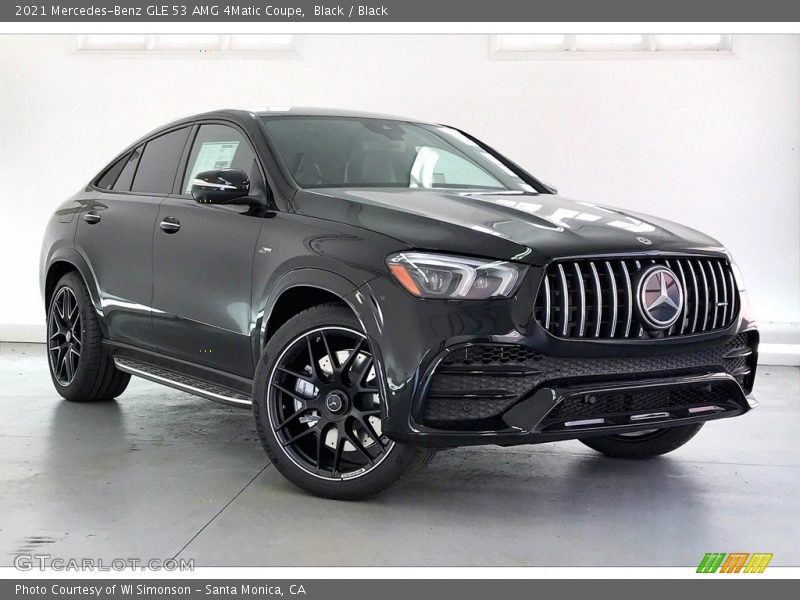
column 123, row 182
column 106, row 180
column 159, row 163
column 220, row 147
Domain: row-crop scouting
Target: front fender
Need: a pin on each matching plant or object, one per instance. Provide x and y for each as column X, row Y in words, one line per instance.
column 322, row 279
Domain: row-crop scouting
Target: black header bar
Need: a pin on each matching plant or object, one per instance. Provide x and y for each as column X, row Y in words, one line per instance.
column 464, row 11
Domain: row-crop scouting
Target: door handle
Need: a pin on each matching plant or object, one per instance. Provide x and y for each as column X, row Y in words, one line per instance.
column 170, row 225
column 92, row 217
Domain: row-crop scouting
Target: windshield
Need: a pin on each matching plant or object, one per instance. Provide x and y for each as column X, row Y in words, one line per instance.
column 322, row 152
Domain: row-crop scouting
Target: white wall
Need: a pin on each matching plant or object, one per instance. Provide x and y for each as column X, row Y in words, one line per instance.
column 708, row 141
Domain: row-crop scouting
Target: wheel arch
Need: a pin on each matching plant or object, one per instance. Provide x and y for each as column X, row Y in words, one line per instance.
column 302, row 289
column 64, row 261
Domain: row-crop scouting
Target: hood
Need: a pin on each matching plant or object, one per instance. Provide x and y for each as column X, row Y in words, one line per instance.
column 531, row 228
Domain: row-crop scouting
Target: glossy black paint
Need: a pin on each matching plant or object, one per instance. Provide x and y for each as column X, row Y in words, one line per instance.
column 195, row 285
column 529, row 228
column 122, row 226
column 224, row 186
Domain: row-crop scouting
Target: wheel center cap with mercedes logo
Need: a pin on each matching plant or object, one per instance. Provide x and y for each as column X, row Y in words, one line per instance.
column 660, row 297
column 336, row 402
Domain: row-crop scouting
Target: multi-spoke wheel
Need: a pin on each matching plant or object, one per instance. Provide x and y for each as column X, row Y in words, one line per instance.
column 64, row 341
column 643, row 444
column 79, row 367
column 324, row 404
column 318, row 408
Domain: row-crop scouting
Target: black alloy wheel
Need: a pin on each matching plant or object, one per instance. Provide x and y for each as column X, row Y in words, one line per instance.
column 64, row 336
column 324, row 404
column 81, row 369
column 318, row 406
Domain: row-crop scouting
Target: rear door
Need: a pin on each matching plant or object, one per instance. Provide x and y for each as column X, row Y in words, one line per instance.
column 115, row 234
column 203, row 260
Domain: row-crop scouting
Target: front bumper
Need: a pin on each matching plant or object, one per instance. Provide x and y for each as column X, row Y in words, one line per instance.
column 472, row 373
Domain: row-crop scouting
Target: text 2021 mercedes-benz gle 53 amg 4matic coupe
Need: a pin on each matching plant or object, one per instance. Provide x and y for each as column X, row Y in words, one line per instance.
column 379, row 288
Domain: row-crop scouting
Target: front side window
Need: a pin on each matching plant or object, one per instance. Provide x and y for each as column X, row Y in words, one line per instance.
column 159, row 163
column 324, row 152
column 220, row 147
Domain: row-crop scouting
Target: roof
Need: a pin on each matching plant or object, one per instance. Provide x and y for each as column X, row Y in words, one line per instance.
column 264, row 111
column 304, row 111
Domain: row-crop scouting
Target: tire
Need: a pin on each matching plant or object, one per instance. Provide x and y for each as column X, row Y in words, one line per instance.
column 339, row 451
column 645, row 444
column 81, row 370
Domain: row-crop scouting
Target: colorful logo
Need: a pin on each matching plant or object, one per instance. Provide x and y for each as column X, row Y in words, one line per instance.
column 735, row 562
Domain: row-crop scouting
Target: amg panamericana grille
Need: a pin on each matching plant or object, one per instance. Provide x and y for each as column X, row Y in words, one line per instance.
column 596, row 298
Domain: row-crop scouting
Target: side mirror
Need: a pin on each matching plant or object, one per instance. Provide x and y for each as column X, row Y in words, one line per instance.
column 224, row 186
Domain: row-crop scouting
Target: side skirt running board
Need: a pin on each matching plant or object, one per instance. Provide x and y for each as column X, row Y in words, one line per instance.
column 182, row 382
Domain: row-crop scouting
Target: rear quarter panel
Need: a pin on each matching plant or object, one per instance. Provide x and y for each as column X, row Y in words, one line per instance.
column 59, row 235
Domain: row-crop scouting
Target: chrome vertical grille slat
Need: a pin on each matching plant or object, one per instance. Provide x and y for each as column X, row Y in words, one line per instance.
column 696, row 297
column 684, row 318
column 614, row 299
column 638, row 264
column 596, row 297
column 629, row 298
column 732, row 288
column 581, row 300
column 671, row 330
column 715, row 287
column 547, row 306
column 724, row 286
column 706, row 294
column 564, row 301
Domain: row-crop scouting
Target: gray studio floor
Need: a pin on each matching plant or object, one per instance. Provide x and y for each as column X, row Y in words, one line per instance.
column 161, row 473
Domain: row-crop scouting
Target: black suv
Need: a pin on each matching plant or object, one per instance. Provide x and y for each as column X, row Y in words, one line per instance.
column 378, row 288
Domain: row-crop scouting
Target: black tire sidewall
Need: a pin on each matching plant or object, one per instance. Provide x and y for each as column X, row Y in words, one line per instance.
column 401, row 458
column 92, row 364
column 667, row 440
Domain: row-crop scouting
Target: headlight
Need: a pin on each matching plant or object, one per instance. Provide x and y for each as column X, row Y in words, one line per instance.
column 440, row 276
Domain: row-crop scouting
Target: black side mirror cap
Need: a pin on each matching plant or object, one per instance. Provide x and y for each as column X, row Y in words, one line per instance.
column 224, row 186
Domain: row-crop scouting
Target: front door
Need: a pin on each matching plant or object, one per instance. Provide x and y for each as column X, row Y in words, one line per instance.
column 203, row 262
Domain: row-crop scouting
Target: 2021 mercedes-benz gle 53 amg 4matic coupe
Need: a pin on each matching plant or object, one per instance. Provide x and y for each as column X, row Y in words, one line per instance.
column 378, row 288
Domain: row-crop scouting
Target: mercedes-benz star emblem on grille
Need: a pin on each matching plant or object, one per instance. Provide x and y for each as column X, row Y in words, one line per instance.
column 644, row 240
column 660, row 297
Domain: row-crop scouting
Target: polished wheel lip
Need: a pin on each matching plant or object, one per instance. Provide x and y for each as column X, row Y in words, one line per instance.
column 273, row 424
column 64, row 336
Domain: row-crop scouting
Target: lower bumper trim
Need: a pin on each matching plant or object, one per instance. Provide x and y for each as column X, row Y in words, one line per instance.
column 550, row 413
column 626, row 404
